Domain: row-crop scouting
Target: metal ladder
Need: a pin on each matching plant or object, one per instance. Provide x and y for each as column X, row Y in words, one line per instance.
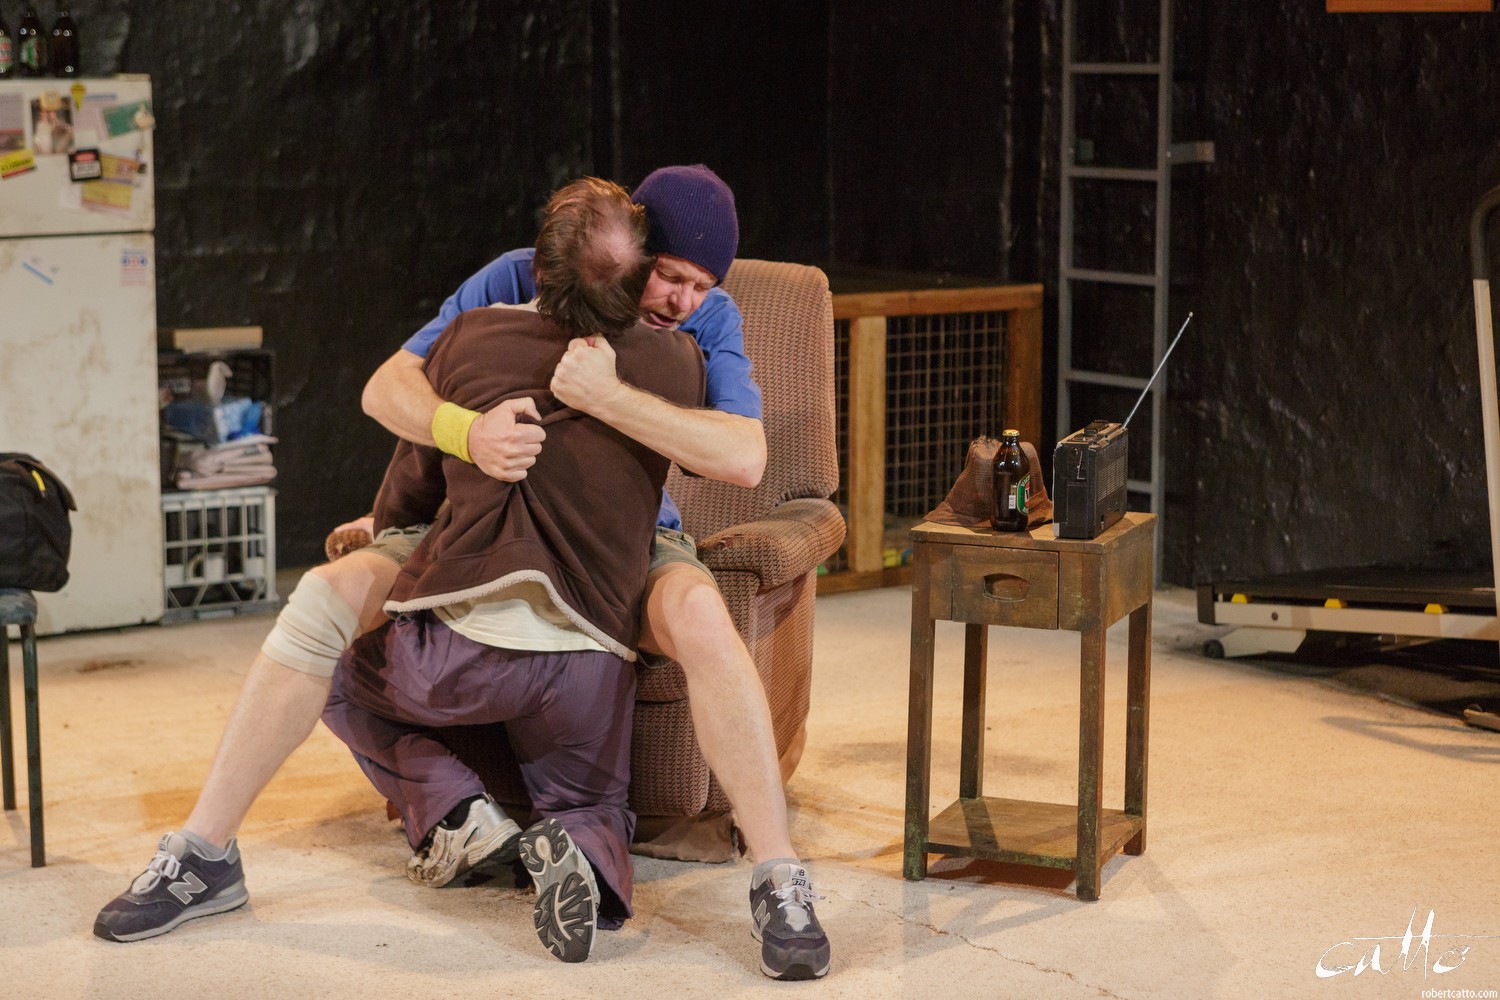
column 1168, row 154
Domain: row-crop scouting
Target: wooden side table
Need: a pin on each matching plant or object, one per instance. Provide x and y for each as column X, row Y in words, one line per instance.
column 1030, row 580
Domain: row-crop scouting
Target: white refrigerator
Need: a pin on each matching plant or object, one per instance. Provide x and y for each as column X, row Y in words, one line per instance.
column 78, row 331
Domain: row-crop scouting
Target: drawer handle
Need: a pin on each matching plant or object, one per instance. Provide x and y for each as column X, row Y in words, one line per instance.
column 1006, row 587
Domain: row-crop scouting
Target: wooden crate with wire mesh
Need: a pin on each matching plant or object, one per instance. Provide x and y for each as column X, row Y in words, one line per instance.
column 920, row 374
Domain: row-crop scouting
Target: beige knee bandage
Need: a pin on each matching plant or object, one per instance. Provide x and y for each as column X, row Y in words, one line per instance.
column 314, row 628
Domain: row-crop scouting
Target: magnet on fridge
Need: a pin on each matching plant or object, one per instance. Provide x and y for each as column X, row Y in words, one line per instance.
column 84, row 165
column 78, row 91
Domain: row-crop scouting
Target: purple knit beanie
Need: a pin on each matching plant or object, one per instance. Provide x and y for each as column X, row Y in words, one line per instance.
column 690, row 214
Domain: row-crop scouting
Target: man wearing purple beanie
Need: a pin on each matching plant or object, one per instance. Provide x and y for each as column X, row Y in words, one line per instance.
column 694, row 232
column 694, row 235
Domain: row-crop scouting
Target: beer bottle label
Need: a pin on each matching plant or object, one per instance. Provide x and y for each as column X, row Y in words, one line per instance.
column 4, row 52
column 28, row 52
column 1018, row 495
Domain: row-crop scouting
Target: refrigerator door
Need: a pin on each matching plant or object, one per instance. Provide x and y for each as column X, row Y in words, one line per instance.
column 106, row 125
column 78, row 391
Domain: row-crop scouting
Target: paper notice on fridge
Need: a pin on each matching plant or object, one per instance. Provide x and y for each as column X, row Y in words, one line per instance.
column 106, row 196
column 12, row 122
column 120, row 169
column 115, row 189
column 89, row 118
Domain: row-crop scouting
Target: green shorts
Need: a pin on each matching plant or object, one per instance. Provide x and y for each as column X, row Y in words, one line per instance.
column 674, row 546
column 397, row 544
column 671, row 546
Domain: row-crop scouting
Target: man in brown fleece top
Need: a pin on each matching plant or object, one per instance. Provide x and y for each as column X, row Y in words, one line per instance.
column 522, row 605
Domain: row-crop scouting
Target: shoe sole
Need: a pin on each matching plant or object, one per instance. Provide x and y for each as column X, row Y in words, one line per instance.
column 567, row 903
column 231, row 898
column 500, row 848
column 796, row 972
column 792, row 970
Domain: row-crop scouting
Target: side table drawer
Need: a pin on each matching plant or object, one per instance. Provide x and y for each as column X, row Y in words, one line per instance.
column 1003, row 587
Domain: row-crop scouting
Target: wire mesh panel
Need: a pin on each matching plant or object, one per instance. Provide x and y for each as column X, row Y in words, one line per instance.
column 945, row 379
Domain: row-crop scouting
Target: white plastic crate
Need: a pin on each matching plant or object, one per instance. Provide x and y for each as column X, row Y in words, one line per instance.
column 220, row 552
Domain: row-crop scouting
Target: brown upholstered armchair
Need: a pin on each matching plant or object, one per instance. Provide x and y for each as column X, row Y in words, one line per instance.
column 764, row 546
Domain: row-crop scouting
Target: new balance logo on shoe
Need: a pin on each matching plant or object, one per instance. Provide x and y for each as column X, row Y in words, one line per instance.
column 187, row 889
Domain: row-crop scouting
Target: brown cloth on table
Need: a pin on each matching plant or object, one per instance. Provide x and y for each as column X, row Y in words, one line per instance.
column 971, row 504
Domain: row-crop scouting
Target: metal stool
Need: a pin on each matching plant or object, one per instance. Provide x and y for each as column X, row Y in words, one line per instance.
column 18, row 607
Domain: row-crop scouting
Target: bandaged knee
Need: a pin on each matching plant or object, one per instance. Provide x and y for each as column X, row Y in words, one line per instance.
column 314, row 628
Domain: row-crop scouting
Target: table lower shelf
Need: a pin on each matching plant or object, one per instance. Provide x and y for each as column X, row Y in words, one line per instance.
column 1022, row 832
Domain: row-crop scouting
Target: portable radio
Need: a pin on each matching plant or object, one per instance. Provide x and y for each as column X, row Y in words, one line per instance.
column 1089, row 469
column 1088, row 480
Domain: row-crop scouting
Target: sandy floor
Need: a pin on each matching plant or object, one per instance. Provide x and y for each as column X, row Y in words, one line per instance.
column 1290, row 823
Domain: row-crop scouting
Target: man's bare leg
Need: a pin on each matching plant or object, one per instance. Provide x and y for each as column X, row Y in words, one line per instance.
column 686, row 619
column 196, row 871
column 278, row 706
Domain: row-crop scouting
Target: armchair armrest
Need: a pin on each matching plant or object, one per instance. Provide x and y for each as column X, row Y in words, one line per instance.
column 789, row 541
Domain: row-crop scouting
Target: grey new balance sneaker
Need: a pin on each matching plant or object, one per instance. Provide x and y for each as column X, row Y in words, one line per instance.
column 486, row 836
column 566, row 912
column 792, row 943
column 179, row 884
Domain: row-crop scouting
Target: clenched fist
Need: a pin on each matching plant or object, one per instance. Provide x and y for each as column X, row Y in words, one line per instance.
column 586, row 373
column 503, row 447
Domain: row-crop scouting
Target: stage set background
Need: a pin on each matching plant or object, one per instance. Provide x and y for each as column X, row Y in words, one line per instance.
column 331, row 171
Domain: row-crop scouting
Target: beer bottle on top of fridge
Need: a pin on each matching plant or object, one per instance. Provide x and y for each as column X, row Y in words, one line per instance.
column 7, row 52
column 31, row 45
column 64, row 45
column 1012, row 483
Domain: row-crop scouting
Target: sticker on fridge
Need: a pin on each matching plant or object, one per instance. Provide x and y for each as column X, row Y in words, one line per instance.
column 41, row 270
column 84, row 165
column 17, row 163
column 133, row 117
column 135, row 266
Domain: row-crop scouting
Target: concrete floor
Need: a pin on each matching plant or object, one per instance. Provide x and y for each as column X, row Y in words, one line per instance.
column 1290, row 823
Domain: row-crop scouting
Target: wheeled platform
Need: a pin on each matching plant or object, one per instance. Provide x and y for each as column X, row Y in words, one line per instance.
column 1274, row 614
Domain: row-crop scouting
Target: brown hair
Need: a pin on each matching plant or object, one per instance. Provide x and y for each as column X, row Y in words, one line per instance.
column 591, row 263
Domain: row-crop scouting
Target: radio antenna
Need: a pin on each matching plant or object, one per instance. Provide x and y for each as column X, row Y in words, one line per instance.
column 1164, row 357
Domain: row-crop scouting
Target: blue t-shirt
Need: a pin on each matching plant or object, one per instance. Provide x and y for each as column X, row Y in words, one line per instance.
column 716, row 325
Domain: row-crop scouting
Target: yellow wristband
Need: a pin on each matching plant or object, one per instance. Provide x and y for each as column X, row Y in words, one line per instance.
column 450, row 429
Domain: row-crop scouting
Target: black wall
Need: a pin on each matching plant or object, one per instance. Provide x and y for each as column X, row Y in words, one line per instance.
column 332, row 171
column 745, row 93
column 1327, row 412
